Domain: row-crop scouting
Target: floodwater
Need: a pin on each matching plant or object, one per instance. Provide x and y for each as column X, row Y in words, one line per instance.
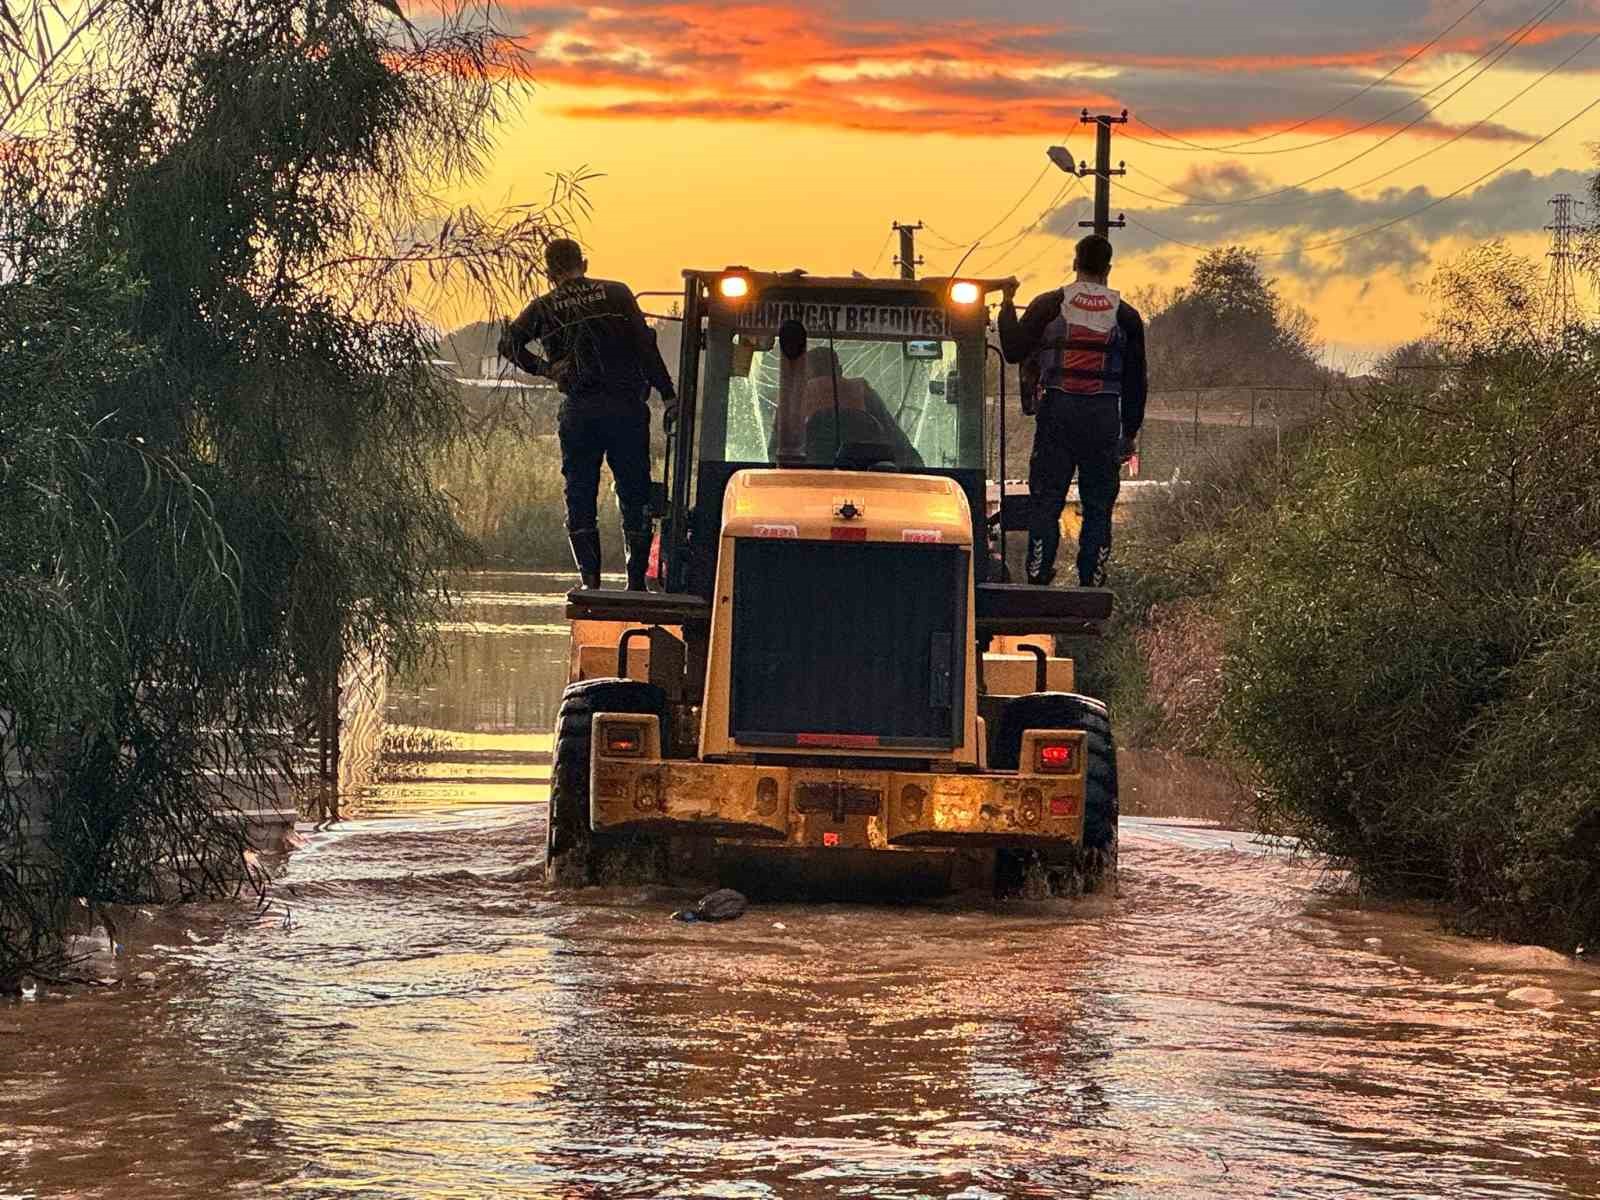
column 416, row 1016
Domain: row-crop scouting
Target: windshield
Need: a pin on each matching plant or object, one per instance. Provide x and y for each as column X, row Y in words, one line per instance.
column 905, row 394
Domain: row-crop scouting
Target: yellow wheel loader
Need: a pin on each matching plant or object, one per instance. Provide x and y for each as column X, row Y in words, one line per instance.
column 833, row 684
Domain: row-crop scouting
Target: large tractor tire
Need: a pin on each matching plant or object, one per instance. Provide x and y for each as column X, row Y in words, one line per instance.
column 1091, row 867
column 576, row 856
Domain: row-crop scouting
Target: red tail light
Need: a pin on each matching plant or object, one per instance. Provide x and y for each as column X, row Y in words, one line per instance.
column 624, row 740
column 1057, row 758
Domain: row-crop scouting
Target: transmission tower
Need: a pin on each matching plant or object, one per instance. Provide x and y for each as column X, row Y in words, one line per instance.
column 1561, row 297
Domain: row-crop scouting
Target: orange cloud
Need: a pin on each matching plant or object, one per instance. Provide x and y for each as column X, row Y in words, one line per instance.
column 790, row 61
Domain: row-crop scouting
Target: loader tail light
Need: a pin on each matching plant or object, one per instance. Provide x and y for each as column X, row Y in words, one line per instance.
column 624, row 741
column 1057, row 758
column 964, row 291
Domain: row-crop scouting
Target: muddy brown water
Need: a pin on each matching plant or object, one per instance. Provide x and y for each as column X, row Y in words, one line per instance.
column 416, row 1016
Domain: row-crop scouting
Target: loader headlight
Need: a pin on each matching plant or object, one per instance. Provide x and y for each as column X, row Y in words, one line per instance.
column 964, row 291
column 733, row 287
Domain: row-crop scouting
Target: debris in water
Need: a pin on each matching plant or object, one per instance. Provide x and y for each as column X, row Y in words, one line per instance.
column 147, row 977
column 779, row 925
column 724, row 904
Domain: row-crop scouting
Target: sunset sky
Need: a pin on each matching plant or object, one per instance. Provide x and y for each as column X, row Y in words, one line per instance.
column 792, row 134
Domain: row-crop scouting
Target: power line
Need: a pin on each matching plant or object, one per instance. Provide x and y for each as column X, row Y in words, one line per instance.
column 955, row 244
column 1022, row 199
column 878, row 258
column 1029, row 229
column 1348, row 100
column 1520, row 32
column 1017, row 242
column 1416, row 212
column 1032, row 187
column 1024, row 267
column 1432, row 150
column 945, row 240
column 1196, row 202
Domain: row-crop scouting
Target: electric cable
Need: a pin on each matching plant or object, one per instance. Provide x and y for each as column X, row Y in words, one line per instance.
column 1075, row 182
column 1416, row 212
column 1432, row 150
column 1196, row 202
column 889, row 237
column 1328, row 112
column 952, row 244
column 1520, row 32
column 1032, row 187
column 948, row 242
column 1024, row 267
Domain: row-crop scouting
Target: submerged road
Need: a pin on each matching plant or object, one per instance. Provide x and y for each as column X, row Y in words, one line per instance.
column 417, row 1016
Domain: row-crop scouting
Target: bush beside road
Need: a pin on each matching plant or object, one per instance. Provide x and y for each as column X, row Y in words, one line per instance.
column 1390, row 624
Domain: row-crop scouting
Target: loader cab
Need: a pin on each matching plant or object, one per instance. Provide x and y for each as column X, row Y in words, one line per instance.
column 795, row 370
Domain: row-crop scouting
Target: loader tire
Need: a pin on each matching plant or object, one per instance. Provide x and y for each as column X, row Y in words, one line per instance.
column 576, row 856
column 1091, row 867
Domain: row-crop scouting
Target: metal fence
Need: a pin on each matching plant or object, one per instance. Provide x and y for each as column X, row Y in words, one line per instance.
column 1188, row 426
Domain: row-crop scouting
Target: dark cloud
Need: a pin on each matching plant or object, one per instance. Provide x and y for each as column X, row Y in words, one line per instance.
column 1514, row 202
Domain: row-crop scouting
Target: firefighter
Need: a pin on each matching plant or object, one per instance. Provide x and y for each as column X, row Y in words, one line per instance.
column 604, row 358
column 1087, row 346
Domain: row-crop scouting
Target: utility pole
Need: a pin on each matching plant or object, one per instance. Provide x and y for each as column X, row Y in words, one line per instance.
column 908, row 262
column 1561, row 297
column 1102, row 171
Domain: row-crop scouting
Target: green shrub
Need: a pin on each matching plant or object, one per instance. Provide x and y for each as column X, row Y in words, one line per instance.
column 1410, row 592
column 1528, row 841
column 1158, row 663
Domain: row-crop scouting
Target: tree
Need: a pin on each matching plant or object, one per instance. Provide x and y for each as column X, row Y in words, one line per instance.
column 1486, row 301
column 1228, row 325
column 218, row 241
column 1426, row 354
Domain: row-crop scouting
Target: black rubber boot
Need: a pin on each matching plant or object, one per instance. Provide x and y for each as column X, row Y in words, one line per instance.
column 586, row 554
column 637, row 543
column 1092, row 572
column 1042, row 547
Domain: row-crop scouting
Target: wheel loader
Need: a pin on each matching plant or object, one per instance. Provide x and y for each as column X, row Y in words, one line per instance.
column 833, row 682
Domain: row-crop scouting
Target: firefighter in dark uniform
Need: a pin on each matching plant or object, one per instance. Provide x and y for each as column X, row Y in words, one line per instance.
column 1086, row 345
column 604, row 358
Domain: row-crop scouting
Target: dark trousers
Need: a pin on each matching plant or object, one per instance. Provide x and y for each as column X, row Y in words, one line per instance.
column 617, row 430
column 1074, row 435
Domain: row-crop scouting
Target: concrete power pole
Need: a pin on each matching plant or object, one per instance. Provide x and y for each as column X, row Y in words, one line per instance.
column 1102, row 223
column 1102, row 170
column 908, row 262
column 1561, row 298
